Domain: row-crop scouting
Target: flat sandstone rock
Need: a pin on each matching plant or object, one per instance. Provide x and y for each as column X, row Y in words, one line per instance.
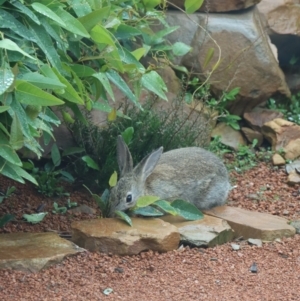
column 251, row 224
column 33, row 251
column 112, row 235
column 207, row 232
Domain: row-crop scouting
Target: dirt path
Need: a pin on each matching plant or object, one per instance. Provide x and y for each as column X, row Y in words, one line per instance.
column 186, row 274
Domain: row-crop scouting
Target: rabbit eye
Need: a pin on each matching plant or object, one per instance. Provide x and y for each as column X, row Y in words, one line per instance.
column 129, row 198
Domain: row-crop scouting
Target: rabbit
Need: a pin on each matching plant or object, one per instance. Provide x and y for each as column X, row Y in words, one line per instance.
column 192, row 174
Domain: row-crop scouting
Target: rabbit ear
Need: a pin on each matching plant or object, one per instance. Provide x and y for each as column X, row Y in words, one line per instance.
column 124, row 157
column 144, row 169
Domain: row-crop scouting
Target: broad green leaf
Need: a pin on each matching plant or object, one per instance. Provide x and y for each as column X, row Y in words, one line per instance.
column 154, row 83
column 72, row 24
column 192, row 5
column 45, row 11
column 139, row 53
column 81, row 7
column 89, row 21
column 10, row 22
column 101, row 35
column 166, row 206
column 102, row 77
column 90, row 162
column 122, row 215
column 105, row 196
column 209, row 56
column 16, row 135
column 148, row 211
column 70, row 93
column 113, row 179
column 67, row 177
column 5, row 219
column 102, row 204
column 9, row 170
column 4, row 108
column 127, row 134
column 41, row 81
column 10, row 45
column 232, row 94
column 6, row 78
column 146, row 200
column 35, row 217
column 187, row 210
column 25, row 10
column 128, row 58
column 181, row 49
column 82, row 70
column 32, row 95
column 44, row 41
column 157, row 38
column 55, row 155
column 7, row 152
column 125, row 32
column 116, row 79
column 150, row 4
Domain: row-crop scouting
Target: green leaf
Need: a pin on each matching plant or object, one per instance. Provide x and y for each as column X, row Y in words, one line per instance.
column 89, row 21
column 4, row 108
column 148, row 211
column 10, row 45
column 6, row 78
column 81, row 7
column 122, row 215
column 5, row 219
column 26, row 11
column 70, row 93
column 154, row 83
column 127, row 134
column 116, row 79
column 192, row 5
column 73, row 25
column 113, row 179
column 41, row 81
column 7, row 152
column 146, row 200
column 45, row 11
column 16, row 135
column 9, row 170
column 102, row 77
column 187, row 210
column 181, row 49
column 32, row 95
column 166, row 206
column 102, row 204
column 44, row 41
column 128, row 58
column 150, row 4
column 125, row 32
column 105, row 196
column 101, row 35
column 24, row 174
column 35, row 217
column 90, row 162
column 82, row 70
column 55, row 155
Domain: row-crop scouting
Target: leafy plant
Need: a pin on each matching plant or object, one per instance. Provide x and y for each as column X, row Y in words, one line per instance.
column 69, row 54
column 289, row 107
column 143, row 131
column 196, row 90
column 9, row 191
column 63, row 209
column 50, row 176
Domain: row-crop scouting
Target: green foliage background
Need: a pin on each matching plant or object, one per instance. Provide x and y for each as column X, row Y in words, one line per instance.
column 67, row 54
